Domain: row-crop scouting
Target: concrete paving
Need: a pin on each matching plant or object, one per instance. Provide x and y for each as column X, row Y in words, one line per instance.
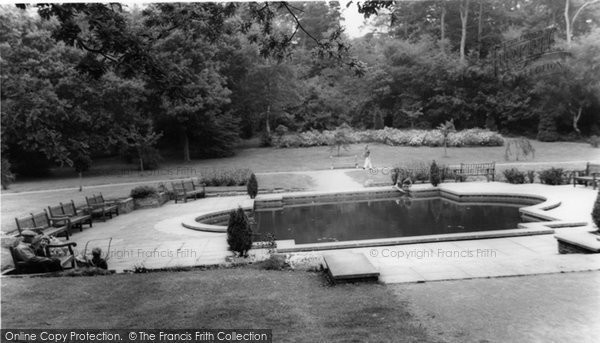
column 154, row 238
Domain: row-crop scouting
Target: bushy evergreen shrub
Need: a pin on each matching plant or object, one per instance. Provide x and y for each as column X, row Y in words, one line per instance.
column 239, row 233
column 596, row 211
column 434, row 174
column 252, row 186
column 552, row 176
column 513, row 175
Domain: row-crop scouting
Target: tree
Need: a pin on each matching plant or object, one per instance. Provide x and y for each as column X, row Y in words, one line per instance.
column 341, row 138
column 446, row 128
column 81, row 163
column 142, row 139
column 239, row 233
column 434, row 174
column 252, row 186
column 570, row 21
column 464, row 16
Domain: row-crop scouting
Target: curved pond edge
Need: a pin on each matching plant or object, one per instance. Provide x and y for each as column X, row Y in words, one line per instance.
column 534, row 210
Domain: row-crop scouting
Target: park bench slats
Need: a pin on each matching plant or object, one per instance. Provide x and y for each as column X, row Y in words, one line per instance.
column 338, row 162
column 476, row 169
column 185, row 189
column 41, row 223
column 591, row 174
column 67, row 214
column 98, row 207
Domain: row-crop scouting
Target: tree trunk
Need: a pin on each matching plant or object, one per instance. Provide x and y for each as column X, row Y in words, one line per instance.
column 576, row 120
column 479, row 28
column 443, row 28
column 567, row 22
column 141, row 159
column 464, row 16
column 80, row 181
column 267, row 126
column 186, row 145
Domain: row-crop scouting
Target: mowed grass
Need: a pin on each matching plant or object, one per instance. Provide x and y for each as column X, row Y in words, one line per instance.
column 297, row 306
column 265, row 160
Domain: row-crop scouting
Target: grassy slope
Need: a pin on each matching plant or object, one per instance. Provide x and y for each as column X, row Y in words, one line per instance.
column 298, row 306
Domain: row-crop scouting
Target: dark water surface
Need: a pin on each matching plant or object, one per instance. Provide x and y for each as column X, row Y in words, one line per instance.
column 383, row 219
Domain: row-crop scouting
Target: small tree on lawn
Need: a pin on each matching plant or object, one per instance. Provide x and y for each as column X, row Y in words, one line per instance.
column 446, row 128
column 252, row 186
column 434, row 174
column 7, row 176
column 596, row 211
column 341, row 138
column 239, row 233
column 281, row 130
column 81, row 163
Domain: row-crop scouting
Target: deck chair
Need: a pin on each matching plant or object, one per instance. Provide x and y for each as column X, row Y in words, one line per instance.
column 85, row 259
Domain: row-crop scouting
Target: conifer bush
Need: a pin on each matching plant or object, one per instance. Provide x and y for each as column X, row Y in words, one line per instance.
column 239, row 233
column 434, row 174
column 252, row 186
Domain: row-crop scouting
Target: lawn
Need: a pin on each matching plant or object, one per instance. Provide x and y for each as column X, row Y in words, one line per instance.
column 265, row 160
column 297, row 306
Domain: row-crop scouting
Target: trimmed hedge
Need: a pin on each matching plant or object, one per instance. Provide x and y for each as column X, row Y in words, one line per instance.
column 552, row 176
column 395, row 137
column 513, row 175
column 142, row 192
column 225, row 177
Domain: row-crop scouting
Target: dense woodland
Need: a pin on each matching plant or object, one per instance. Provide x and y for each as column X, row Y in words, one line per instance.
column 81, row 81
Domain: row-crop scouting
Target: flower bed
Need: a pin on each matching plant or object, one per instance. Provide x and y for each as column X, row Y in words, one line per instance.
column 395, row 137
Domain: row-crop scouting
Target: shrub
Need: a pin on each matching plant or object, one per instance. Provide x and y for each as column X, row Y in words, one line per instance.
column 531, row 176
column 394, row 175
column 274, row 262
column 7, row 176
column 552, row 176
column 141, row 192
column 252, row 186
column 596, row 211
column 594, row 141
column 434, row 174
column 225, row 177
column 239, row 232
column 513, row 175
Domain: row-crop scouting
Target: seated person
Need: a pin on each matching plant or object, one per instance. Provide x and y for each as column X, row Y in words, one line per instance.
column 96, row 260
column 30, row 250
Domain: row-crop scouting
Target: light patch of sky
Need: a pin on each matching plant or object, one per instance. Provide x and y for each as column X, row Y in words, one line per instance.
column 354, row 22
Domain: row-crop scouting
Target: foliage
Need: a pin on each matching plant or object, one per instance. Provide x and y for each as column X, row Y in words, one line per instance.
column 596, row 211
column 513, row 175
column 446, row 128
column 225, row 177
column 341, row 138
column 552, row 176
column 143, row 144
column 274, row 262
column 519, row 147
column 142, row 192
column 434, row 174
column 252, row 186
column 239, row 233
column 391, row 136
column 594, row 141
column 531, row 176
column 7, row 176
column 82, row 162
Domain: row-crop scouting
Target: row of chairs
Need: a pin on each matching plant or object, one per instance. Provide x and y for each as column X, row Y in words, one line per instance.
column 60, row 219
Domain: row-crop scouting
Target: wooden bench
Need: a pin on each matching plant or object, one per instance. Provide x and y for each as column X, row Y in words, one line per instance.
column 186, row 189
column 67, row 214
column 67, row 261
column 42, row 224
column 339, row 162
column 591, row 174
column 98, row 207
column 475, row 169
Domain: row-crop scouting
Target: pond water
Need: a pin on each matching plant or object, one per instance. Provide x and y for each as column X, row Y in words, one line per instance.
column 401, row 217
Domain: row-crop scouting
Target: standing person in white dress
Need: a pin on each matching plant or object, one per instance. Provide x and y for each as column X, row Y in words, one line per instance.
column 367, row 155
